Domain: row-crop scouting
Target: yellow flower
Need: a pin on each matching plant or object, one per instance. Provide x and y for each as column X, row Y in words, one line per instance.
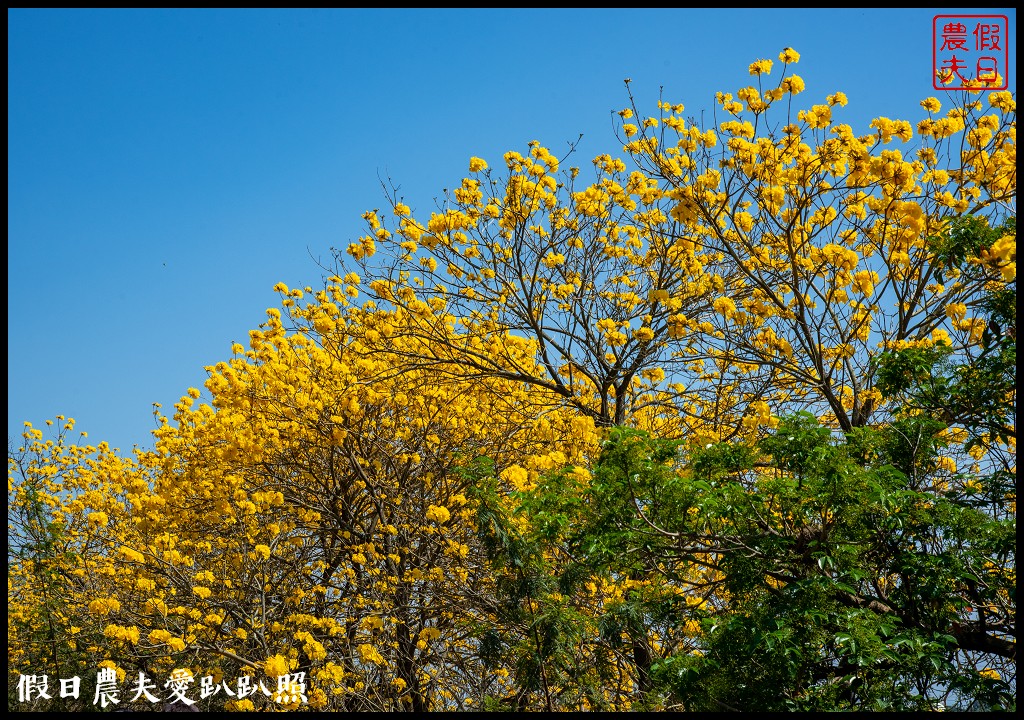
column 276, row 666
column 517, row 477
column 793, row 84
column 131, row 634
column 104, row 606
column 761, row 67
column 643, row 334
column 838, row 98
column 369, row 654
column 931, row 104
column 1002, row 100
column 438, row 514
column 553, row 259
column 1003, row 255
column 862, row 282
column 176, row 644
column 133, row 555
column 789, row 56
column 477, row 164
column 744, row 221
column 724, row 306
column 262, row 550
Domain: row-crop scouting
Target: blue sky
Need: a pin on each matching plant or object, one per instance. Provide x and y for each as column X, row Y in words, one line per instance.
column 167, row 167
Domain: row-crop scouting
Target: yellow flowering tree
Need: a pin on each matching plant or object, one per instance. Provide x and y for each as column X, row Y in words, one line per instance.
column 68, row 506
column 834, row 237
column 553, row 444
column 312, row 518
column 599, row 279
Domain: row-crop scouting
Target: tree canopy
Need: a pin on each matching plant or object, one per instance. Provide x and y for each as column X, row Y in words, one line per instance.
column 726, row 422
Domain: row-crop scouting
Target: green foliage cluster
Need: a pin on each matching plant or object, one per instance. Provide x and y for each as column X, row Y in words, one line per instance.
column 841, row 575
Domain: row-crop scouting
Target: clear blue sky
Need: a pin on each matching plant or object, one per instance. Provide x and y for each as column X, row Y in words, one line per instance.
column 167, row 167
